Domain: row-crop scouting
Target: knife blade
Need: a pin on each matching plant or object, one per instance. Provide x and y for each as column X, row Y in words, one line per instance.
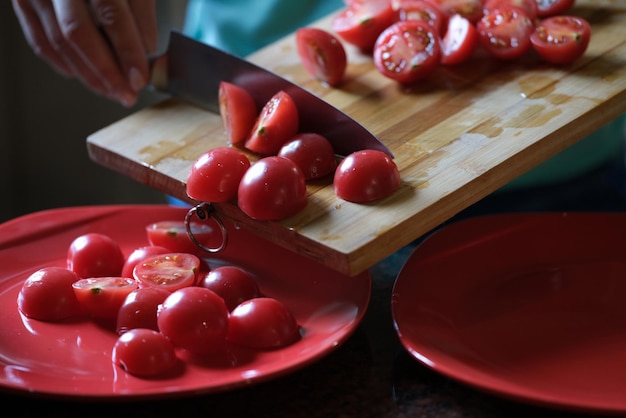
column 192, row 71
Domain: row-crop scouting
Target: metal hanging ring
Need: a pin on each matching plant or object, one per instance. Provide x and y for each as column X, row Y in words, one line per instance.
column 205, row 211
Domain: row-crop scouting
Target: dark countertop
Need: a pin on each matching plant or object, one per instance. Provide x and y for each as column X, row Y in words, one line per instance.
column 371, row 375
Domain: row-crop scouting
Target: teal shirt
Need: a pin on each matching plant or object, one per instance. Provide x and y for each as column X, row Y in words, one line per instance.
column 243, row 26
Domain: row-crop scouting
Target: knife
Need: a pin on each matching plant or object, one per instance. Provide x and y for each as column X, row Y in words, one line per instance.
column 192, row 71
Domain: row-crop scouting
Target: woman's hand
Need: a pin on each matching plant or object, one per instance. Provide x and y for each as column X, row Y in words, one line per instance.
column 103, row 43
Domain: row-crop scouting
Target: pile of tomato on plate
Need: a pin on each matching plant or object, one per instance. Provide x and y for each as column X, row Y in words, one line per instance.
column 410, row 39
column 162, row 299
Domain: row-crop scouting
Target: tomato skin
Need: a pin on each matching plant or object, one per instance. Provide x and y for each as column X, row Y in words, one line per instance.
column 365, row 176
column 170, row 271
column 505, row 32
column 273, row 188
column 231, row 283
column 262, row 323
column 459, row 42
column 95, row 255
column 238, row 111
column 548, row 8
column 529, row 7
column 313, row 154
column 139, row 309
column 102, row 297
column 194, row 318
column 421, row 10
column 139, row 254
column 360, row 23
column 215, row 175
column 407, row 51
column 173, row 236
column 561, row 39
column 144, row 353
column 47, row 295
column 277, row 122
column 322, row 55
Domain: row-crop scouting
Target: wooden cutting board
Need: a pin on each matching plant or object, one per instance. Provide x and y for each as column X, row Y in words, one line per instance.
column 456, row 137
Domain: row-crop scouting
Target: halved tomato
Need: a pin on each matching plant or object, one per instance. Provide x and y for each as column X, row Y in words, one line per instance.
column 170, row 271
column 505, row 32
column 561, row 39
column 360, row 23
column 277, row 123
column 472, row 10
column 547, row 8
column 102, row 297
column 238, row 111
column 322, row 55
column 421, row 10
column 173, row 236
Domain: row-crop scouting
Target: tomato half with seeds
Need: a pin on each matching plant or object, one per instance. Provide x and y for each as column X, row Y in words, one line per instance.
column 365, row 176
column 407, row 51
column 215, row 175
column 238, row 111
column 460, row 41
column 529, row 7
column 421, row 10
column 47, row 295
column 561, row 39
column 505, row 32
column 172, row 235
column 170, row 271
column 277, row 122
column 322, row 55
column 273, row 188
column 360, row 23
column 102, row 297
column 139, row 254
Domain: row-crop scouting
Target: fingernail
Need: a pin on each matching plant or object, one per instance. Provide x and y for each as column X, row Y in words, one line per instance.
column 127, row 99
column 136, row 80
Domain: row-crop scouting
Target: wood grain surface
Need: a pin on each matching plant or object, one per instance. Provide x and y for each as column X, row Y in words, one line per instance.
column 457, row 136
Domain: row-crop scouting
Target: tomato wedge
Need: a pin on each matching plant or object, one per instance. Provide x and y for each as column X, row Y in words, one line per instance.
column 277, row 123
column 407, row 51
column 360, row 23
column 322, row 55
column 238, row 111
column 170, row 271
column 459, row 42
column 561, row 39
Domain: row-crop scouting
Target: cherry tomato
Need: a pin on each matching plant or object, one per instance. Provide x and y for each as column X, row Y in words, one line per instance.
column 421, row 10
column 101, row 297
column 278, row 121
column 313, row 154
column 47, row 295
column 139, row 254
column 171, row 271
column 173, row 236
column 360, row 23
column 529, row 7
column 194, row 318
column 215, row 175
column 144, row 353
column 322, row 55
column 365, row 176
column 505, row 32
column 95, row 255
column 472, row 10
column 547, row 8
column 273, row 188
column 407, row 51
column 262, row 323
column 238, row 111
column 561, row 39
column 459, row 42
column 233, row 284
column 139, row 309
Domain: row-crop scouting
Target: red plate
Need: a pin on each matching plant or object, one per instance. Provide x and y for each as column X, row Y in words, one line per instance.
column 74, row 360
column 530, row 307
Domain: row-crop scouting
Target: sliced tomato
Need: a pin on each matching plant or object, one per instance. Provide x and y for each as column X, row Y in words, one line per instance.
column 529, row 7
column 547, row 8
column 172, row 235
column 472, row 10
column 238, row 111
column 422, row 10
column 360, row 22
column 322, row 55
column 561, row 39
column 459, row 42
column 102, row 297
column 277, row 123
column 215, row 175
column 139, row 254
column 407, row 51
column 170, row 271
column 505, row 32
